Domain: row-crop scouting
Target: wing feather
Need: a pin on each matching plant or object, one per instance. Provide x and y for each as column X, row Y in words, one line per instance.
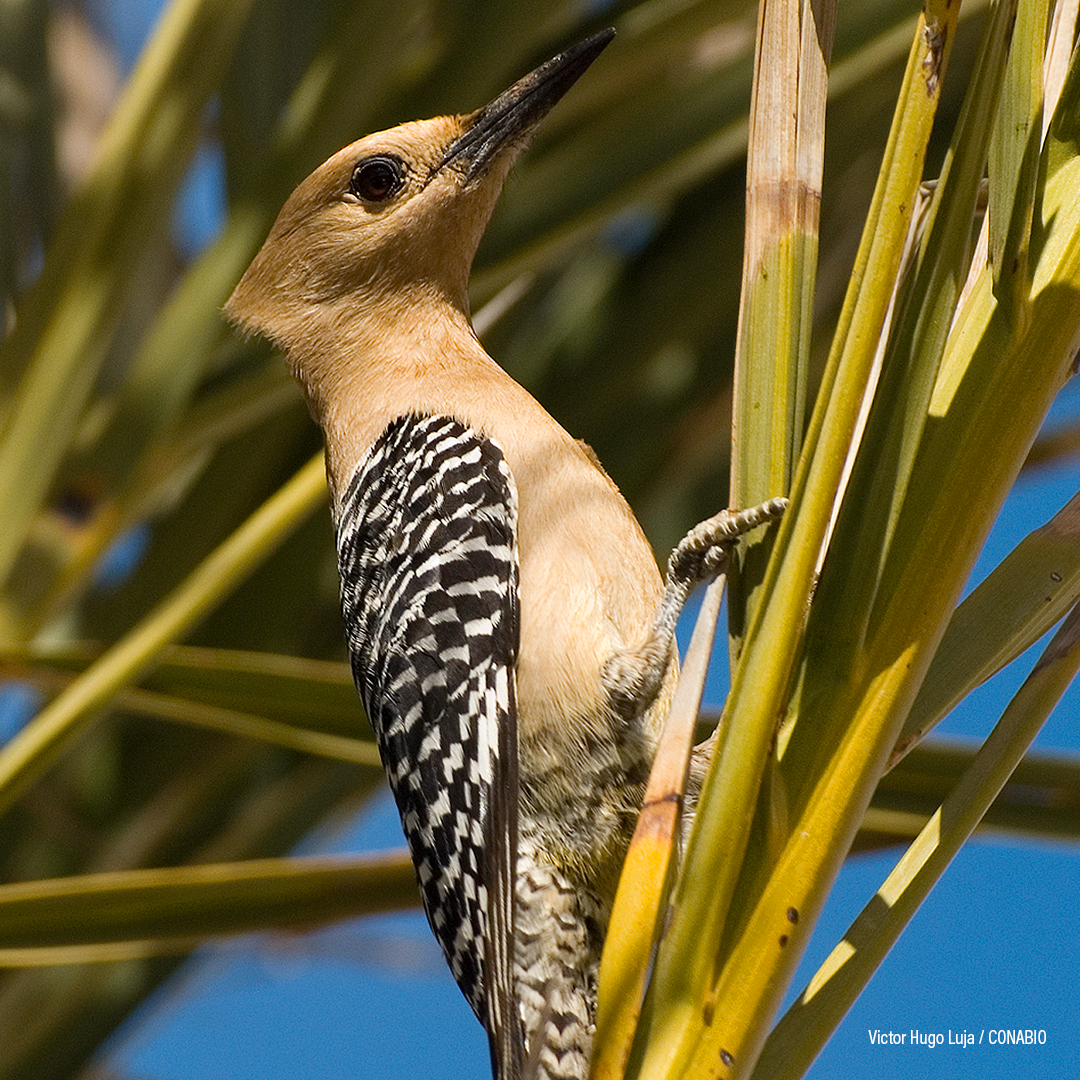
column 427, row 551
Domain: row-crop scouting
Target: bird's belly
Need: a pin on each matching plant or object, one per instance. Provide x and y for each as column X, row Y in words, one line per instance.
column 581, row 785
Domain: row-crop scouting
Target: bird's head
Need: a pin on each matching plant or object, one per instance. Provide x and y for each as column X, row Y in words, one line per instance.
column 394, row 219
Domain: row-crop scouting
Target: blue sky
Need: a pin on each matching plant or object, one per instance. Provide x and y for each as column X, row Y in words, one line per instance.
column 995, row 946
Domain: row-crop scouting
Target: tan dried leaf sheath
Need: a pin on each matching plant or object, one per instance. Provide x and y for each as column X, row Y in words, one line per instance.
column 510, row 634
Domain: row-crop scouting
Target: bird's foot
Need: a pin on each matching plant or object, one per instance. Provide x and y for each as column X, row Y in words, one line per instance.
column 703, row 552
column 633, row 677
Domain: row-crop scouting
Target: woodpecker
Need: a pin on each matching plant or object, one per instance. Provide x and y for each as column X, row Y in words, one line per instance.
column 510, row 634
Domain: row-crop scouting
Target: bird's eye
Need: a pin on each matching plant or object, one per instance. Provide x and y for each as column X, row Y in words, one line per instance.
column 377, row 178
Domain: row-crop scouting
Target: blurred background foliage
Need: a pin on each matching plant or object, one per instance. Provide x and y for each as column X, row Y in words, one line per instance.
column 139, row 433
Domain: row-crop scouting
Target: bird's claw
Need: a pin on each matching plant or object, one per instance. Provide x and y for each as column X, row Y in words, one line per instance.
column 633, row 677
column 705, row 548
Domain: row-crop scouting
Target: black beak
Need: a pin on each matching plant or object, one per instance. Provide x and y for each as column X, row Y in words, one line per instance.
column 515, row 112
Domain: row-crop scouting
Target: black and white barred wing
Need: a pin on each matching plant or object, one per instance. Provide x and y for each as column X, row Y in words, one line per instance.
column 427, row 553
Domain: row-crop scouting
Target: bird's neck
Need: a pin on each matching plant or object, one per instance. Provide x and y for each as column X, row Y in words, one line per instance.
column 366, row 364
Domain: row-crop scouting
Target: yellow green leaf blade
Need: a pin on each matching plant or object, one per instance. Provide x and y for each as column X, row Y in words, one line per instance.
column 771, row 941
column 191, row 903
column 684, row 978
column 1012, row 608
column 1014, row 154
column 66, row 323
column 643, row 884
column 38, row 744
column 865, row 530
column 1041, row 799
column 318, row 694
column 248, row 726
column 918, row 309
column 800, row 1035
column 245, row 725
column 784, row 171
column 996, row 381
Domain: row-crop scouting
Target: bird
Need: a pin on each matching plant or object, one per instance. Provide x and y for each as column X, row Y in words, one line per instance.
column 510, row 634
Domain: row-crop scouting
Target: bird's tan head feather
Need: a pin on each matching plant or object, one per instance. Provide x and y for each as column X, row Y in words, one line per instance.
column 378, row 219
